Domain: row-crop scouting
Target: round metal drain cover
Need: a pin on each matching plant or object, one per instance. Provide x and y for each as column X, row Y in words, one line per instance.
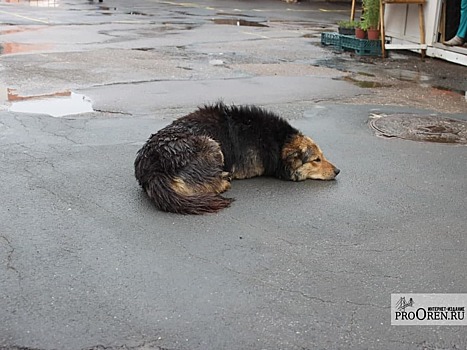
column 420, row 128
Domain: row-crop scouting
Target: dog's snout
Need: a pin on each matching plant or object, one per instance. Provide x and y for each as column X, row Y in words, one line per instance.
column 336, row 171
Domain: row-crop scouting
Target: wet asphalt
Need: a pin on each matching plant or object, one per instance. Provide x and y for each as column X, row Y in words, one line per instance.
column 87, row 262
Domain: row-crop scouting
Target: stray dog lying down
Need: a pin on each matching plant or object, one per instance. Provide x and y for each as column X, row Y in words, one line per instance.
column 186, row 165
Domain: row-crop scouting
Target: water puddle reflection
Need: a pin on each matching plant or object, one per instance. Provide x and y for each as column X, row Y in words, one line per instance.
column 35, row 3
column 57, row 105
column 19, row 29
column 137, row 13
column 238, row 22
column 12, row 48
column 365, row 84
column 426, row 79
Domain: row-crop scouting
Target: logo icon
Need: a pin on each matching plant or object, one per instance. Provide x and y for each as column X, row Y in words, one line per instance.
column 402, row 304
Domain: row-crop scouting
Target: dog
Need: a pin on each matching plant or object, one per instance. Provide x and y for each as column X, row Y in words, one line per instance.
column 185, row 166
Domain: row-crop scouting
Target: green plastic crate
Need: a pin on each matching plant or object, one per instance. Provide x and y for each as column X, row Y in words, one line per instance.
column 333, row 39
column 362, row 47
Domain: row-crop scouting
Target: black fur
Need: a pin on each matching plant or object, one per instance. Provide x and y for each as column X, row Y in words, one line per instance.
column 188, row 149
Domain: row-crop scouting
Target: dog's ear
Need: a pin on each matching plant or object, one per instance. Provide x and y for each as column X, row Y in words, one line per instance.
column 293, row 156
column 295, row 159
column 305, row 156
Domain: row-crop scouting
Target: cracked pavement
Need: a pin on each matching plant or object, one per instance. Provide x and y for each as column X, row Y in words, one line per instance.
column 86, row 262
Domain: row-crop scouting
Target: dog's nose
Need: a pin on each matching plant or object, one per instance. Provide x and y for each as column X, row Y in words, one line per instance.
column 337, row 171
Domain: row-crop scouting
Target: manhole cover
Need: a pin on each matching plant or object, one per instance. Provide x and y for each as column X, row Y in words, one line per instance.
column 420, row 128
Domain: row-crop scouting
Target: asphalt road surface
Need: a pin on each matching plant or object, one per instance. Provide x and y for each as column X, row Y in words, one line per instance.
column 87, row 262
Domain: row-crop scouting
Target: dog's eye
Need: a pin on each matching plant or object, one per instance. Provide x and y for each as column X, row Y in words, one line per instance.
column 317, row 160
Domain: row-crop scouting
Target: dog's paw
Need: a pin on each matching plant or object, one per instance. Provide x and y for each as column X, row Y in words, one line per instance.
column 227, row 176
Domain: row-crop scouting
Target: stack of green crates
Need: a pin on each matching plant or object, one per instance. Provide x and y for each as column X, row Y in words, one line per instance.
column 362, row 47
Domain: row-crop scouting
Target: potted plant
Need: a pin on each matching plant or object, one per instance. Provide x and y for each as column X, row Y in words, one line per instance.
column 371, row 18
column 360, row 30
column 347, row 27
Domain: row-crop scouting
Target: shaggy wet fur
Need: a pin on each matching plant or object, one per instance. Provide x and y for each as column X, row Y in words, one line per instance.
column 186, row 165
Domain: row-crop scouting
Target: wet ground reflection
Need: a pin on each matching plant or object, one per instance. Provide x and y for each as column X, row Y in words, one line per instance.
column 58, row 104
column 13, row 48
column 238, row 22
column 36, row 3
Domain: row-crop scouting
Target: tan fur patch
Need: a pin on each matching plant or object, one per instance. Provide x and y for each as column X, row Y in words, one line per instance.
column 251, row 167
column 224, row 186
column 217, row 186
column 179, row 186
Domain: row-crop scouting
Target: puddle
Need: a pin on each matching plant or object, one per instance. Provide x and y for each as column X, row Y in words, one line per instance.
column 311, row 36
column 335, row 63
column 185, row 13
column 366, row 74
column 7, row 94
column 450, row 90
column 56, row 105
column 232, row 14
column 420, row 128
column 238, row 22
column 35, row 3
column 12, row 48
column 111, row 10
column 106, row 11
column 13, row 29
column 107, row 8
column 407, row 75
column 365, row 84
column 145, row 49
column 137, row 13
column 178, row 26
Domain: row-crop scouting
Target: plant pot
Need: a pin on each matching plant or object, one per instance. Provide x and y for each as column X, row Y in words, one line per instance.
column 373, row 34
column 346, row 31
column 360, row 33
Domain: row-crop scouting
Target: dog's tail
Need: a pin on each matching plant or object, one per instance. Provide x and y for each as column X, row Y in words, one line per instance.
column 167, row 199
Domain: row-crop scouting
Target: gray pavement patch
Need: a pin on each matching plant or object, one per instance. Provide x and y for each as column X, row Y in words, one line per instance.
column 315, row 263
column 183, row 93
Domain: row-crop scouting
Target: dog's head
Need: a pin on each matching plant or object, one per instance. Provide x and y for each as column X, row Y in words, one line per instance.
column 305, row 160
